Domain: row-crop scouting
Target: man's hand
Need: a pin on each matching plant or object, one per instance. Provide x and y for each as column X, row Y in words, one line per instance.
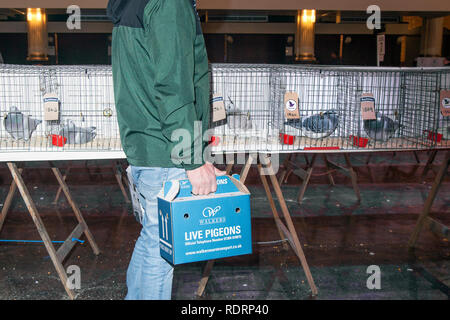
column 203, row 179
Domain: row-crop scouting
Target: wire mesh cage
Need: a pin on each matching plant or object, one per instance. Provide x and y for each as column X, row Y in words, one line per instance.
column 246, row 103
column 57, row 108
column 421, row 107
column 406, row 105
column 324, row 109
column 256, row 108
column 441, row 136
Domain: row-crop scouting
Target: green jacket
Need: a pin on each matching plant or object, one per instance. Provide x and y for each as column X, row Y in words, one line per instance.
column 161, row 81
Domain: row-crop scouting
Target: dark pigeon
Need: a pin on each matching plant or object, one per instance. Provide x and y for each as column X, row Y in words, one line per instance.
column 319, row 125
column 381, row 129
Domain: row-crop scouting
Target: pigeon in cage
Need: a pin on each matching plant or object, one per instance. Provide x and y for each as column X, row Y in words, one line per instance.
column 77, row 135
column 20, row 126
column 236, row 119
column 317, row 126
column 382, row 128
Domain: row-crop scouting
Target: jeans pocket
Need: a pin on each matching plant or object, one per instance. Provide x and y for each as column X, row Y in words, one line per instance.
column 149, row 179
column 149, row 182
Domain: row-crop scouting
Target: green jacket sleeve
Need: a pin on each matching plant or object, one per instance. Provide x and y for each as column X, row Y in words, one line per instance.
column 170, row 33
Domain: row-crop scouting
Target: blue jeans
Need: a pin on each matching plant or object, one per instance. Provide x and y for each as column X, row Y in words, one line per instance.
column 149, row 277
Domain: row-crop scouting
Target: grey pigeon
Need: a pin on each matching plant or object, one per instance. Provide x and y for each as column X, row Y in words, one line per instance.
column 317, row 126
column 381, row 129
column 77, row 135
column 20, row 126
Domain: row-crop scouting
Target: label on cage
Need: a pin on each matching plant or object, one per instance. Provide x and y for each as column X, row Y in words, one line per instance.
column 368, row 107
column 381, row 47
column 445, row 103
column 381, row 44
column 51, row 107
column 291, row 105
column 218, row 108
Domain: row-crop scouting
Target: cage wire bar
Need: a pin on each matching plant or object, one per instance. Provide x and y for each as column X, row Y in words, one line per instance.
column 407, row 103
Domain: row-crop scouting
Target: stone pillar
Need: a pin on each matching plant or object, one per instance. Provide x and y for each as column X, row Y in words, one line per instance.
column 304, row 36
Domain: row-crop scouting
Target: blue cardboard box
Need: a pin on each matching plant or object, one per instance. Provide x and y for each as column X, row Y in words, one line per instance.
column 196, row 228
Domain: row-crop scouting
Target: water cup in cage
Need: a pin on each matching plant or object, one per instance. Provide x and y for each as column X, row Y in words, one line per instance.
column 214, row 141
column 287, row 139
column 58, row 140
column 433, row 136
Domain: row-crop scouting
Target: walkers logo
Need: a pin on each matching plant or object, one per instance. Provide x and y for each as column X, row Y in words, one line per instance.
column 209, row 213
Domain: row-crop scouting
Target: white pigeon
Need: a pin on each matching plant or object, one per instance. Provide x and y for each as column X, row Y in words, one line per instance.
column 20, row 126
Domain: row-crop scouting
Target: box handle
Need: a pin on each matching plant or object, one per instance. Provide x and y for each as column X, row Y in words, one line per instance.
column 171, row 188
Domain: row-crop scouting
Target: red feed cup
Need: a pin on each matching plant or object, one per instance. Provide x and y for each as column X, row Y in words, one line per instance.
column 287, row 139
column 434, row 136
column 214, row 141
column 359, row 141
column 58, row 141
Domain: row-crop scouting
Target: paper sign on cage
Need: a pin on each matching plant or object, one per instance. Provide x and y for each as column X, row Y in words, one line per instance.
column 445, row 103
column 291, row 105
column 381, row 47
column 368, row 107
column 218, row 108
column 51, row 107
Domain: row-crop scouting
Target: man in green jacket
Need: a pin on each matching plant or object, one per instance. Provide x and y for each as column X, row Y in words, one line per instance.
column 162, row 94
